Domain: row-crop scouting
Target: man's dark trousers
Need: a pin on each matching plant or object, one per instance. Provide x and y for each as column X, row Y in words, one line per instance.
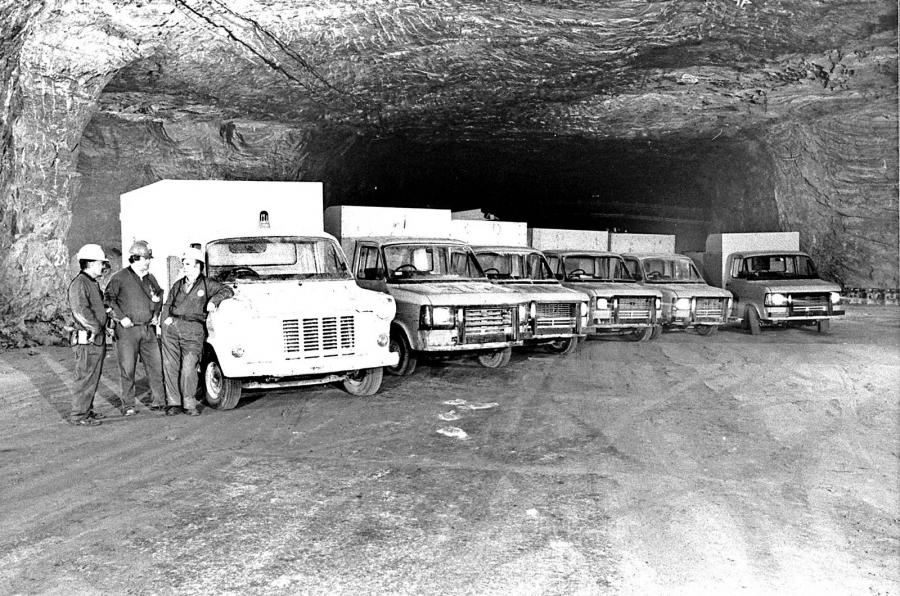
column 88, row 366
column 182, row 348
column 139, row 340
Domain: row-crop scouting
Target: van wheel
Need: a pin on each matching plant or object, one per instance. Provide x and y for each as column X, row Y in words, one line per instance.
column 495, row 359
column 657, row 332
column 751, row 321
column 824, row 326
column 640, row 334
column 364, row 382
column 407, row 363
column 707, row 329
column 222, row 393
column 563, row 346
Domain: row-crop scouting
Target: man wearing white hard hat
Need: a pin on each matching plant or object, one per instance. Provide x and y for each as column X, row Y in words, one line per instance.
column 191, row 298
column 89, row 338
column 135, row 298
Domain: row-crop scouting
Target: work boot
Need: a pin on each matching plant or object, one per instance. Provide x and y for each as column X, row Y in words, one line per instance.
column 192, row 411
column 173, row 411
column 86, row 422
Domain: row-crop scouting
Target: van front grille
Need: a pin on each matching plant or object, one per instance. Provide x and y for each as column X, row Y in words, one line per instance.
column 319, row 338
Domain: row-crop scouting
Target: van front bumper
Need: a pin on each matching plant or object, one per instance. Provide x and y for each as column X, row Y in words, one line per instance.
column 243, row 367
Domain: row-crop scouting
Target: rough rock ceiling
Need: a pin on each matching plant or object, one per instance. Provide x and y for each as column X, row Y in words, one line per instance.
column 680, row 115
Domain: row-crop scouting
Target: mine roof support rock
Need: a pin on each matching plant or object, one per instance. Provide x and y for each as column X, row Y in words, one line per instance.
column 771, row 114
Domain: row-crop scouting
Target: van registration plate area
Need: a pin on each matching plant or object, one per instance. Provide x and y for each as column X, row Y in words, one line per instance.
column 325, row 337
column 487, row 324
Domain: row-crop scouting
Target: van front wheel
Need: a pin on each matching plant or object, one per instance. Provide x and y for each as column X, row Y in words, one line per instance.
column 563, row 346
column 364, row 382
column 222, row 393
column 406, row 365
column 496, row 359
column 751, row 321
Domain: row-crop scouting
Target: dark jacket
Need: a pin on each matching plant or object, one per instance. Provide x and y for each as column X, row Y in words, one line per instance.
column 86, row 303
column 191, row 305
column 129, row 295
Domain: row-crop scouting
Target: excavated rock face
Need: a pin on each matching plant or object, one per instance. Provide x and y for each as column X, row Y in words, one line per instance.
column 684, row 117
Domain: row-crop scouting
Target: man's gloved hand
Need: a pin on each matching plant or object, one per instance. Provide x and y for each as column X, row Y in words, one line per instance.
column 126, row 323
column 211, row 307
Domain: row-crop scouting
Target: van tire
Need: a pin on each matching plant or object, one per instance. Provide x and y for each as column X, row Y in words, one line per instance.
column 221, row 392
column 563, row 346
column 707, row 329
column 639, row 334
column 495, row 358
column 824, row 326
column 657, row 332
column 364, row 382
column 407, row 363
column 751, row 321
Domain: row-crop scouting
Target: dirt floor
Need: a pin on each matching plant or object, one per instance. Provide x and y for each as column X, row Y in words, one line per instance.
column 688, row 465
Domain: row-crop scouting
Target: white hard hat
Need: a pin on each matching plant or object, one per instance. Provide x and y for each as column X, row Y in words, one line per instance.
column 91, row 252
column 193, row 253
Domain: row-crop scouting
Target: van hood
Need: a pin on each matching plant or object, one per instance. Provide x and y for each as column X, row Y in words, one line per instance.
column 544, row 292
column 692, row 290
column 799, row 286
column 605, row 289
column 440, row 293
column 311, row 297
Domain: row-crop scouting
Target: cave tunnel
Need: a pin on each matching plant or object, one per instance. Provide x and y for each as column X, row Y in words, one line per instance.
column 678, row 118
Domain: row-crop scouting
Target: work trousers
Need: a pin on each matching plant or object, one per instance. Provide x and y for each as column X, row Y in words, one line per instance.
column 139, row 341
column 88, row 367
column 182, row 348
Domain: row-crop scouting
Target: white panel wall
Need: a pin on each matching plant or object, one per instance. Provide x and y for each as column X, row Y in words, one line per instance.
column 172, row 214
column 490, row 233
column 661, row 243
column 549, row 239
column 719, row 246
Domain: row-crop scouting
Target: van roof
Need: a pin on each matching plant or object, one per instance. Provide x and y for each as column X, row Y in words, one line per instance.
column 384, row 240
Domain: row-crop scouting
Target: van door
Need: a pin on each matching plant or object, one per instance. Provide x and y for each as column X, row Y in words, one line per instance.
column 369, row 272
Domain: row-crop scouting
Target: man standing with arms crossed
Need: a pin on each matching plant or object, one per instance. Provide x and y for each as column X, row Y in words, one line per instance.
column 135, row 298
column 89, row 336
column 191, row 298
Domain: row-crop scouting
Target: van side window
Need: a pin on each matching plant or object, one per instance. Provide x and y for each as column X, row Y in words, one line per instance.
column 634, row 268
column 367, row 268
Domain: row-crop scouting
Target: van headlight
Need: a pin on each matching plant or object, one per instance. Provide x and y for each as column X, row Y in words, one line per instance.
column 583, row 309
column 776, row 300
column 658, row 303
column 601, row 303
column 683, row 304
column 437, row 317
column 237, row 351
column 382, row 339
column 532, row 311
column 835, row 297
column 523, row 313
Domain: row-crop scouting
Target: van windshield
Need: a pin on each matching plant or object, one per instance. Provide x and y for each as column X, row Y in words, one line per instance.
column 423, row 262
column 595, row 268
column 255, row 259
column 665, row 269
column 511, row 265
column 777, row 267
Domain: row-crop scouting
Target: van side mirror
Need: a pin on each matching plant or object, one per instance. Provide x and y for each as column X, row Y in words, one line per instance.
column 559, row 276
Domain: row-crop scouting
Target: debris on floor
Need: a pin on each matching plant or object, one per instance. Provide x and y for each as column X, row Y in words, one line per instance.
column 453, row 431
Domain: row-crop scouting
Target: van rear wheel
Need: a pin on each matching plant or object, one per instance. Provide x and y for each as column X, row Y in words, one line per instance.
column 824, row 326
column 222, row 393
column 495, row 359
column 406, row 365
column 707, row 329
column 364, row 382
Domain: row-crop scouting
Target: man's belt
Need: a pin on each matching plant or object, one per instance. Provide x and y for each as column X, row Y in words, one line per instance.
column 188, row 319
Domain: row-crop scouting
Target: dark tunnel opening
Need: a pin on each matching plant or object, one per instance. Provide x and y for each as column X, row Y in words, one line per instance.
column 685, row 187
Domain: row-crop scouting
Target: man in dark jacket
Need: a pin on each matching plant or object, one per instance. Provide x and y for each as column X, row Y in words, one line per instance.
column 184, row 331
column 135, row 299
column 89, row 337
